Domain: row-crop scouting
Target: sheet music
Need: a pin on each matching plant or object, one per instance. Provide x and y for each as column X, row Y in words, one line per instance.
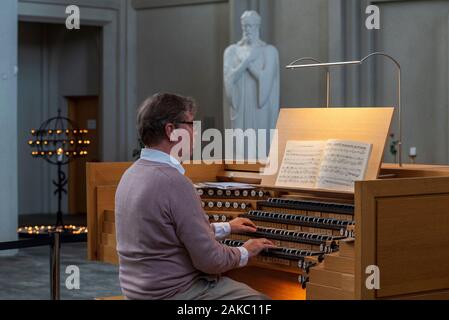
column 228, row 185
column 301, row 164
column 344, row 162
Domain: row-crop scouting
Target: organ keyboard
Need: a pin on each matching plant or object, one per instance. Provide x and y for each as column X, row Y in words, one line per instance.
column 305, row 231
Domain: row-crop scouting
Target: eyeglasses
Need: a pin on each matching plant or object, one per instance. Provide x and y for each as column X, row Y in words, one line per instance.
column 187, row 122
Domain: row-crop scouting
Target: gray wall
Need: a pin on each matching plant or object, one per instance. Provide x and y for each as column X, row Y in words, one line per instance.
column 180, row 49
column 300, row 29
column 416, row 34
column 420, row 43
column 53, row 64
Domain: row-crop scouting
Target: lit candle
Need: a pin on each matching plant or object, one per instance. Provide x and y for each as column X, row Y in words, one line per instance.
column 60, row 153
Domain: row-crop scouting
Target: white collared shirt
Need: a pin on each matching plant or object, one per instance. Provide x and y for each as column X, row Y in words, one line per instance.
column 222, row 230
column 154, row 155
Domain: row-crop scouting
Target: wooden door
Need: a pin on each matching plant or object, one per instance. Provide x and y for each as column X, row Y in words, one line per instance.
column 84, row 112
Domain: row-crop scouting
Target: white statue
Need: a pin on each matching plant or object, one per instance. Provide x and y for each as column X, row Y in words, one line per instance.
column 251, row 77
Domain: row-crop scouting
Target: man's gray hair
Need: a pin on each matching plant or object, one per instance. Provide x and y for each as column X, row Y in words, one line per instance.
column 158, row 111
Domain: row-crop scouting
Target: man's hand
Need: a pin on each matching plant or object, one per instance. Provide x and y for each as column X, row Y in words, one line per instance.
column 256, row 246
column 242, row 225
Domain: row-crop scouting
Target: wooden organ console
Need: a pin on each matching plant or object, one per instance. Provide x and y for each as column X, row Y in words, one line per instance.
column 398, row 221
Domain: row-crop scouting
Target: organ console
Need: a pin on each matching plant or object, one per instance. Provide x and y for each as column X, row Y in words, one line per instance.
column 326, row 239
column 324, row 243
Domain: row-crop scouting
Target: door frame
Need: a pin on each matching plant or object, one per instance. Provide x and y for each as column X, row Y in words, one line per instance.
column 117, row 20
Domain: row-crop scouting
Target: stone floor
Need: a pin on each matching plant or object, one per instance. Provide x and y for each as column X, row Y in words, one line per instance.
column 26, row 275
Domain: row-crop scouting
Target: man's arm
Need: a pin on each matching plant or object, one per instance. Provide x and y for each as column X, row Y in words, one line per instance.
column 195, row 232
column 238, row 225
column 222, row 230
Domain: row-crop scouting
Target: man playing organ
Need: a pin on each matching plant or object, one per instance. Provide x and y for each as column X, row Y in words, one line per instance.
column 167, row 248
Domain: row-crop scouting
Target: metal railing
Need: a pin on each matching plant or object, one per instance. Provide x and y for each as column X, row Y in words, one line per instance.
column 54, row 241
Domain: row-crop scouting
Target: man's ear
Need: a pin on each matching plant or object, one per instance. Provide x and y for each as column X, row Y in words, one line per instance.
column 169, row 128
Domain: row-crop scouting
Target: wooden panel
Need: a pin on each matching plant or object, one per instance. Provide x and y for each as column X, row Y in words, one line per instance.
column 109, row 215
column 275, row 284
column 347, row 249
column 415, row 167
column 320, row 276
column 107, row 254
column 108, row 240
column 99, row 174
column 384, row 215
column 414, row 257
column 435, row 295
column 318, row 292
column 108, row 227
column 245, row 167
column 333, row 262
column 369, row 125
column 390, row 171
column 200, row 173
column 106, row 221
column 242, row 177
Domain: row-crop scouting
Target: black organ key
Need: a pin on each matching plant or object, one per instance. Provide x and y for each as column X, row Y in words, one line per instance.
column 301, row 220
column 284, row 253
column 312, row 206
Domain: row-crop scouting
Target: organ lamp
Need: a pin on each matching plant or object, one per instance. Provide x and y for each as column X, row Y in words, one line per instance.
column 58, row 141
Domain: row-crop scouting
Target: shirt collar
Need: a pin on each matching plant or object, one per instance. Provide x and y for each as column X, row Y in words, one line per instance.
column 161, row 157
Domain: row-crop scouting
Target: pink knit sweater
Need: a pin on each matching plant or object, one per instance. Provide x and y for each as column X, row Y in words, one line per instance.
column 164, row 238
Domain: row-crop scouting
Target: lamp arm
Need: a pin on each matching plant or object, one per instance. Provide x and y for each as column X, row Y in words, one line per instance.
column 398, row 66
column 328, row 76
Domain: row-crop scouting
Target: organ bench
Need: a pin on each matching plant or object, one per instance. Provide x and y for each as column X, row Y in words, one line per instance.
column 399, row 223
